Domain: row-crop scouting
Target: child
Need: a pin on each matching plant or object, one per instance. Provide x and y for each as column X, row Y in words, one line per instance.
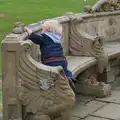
column 50, row 41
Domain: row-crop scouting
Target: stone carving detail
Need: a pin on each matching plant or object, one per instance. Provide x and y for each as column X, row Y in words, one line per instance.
column 18, row 28
column 90, row 86
column 100, row 54
column 82, row 43
column 106, row 5
column 112, row 30
column 107, row 27
column 43, row 91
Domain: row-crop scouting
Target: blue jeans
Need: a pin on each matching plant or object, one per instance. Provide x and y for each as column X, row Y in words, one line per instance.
column 64, row 64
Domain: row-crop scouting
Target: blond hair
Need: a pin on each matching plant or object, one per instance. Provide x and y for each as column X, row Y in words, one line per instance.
column 53, row 25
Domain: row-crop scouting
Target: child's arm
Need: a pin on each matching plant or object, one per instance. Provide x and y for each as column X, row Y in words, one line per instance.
column 37, row 39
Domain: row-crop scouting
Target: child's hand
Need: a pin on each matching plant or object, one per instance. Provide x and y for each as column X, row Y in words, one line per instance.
column 28, row 30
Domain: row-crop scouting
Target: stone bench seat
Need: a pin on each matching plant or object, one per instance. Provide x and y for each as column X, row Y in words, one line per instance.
column 78, row 64
column 112, row 49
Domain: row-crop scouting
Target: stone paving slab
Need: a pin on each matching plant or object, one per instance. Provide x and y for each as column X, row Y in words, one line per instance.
column 75, row 118
column 94, row 118
column 114, row 98
column 116, row 86
column 111, row 111
column 1, row 118
column 81, row 110
column 83, row 99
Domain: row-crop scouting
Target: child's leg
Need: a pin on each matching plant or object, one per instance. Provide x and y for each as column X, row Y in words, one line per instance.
column 68, row 73
column 64, row 64
column 70, row 76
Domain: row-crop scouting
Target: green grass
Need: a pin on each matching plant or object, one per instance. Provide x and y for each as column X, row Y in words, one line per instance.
column 30, row 11
column 1, row 106
column 0, row 94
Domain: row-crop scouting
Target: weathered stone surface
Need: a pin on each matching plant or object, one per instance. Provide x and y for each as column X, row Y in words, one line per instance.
column 77, row 64
column 76, row 118
column 115, row 62
column 98, row 89
column 42, row 83
column 114, row 97
column 57, row 119
column 115, row 70
column 106, row 5
column 84, row 99
column 65, row 44
column 1, row 118
column 88, row 84
column 87, row 46
column 111, row 111
column 94, row 118
column 95, row 104
column 25, row 85
column 82, row 111
column 107, row 77
column 82, row 31
column 18, row 28
column 116, row 85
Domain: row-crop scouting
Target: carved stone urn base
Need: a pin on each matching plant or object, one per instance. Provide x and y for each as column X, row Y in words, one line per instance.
column 94, row 88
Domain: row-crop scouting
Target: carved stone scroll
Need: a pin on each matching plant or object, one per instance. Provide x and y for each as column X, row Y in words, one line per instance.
column 44, row 91
column 106, row 5
column 18, row 28
column 82, row 43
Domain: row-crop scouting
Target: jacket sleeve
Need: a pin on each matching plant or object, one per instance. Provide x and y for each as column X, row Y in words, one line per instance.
column 37, row 39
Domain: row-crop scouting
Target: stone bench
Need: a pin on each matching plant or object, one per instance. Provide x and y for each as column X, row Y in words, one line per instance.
column 31, row 89
column 78, row 64
column 84, row 29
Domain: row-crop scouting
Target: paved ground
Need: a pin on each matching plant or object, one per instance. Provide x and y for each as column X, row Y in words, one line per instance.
column 90, row 108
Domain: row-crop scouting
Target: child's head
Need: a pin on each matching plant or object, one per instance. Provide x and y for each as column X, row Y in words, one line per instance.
column 52, row 26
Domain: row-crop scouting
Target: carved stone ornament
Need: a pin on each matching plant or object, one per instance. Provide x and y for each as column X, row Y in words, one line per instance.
column 81, row 43
column 18, row 28
column 46, row 84
column 44, row 91
column 106, row 5
column 89, row 85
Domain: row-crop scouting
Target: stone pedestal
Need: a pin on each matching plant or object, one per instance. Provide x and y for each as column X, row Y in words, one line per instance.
column 107, row 77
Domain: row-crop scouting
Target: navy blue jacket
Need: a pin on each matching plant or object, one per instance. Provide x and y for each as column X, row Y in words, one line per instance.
column 47, row 46
column 50, row 46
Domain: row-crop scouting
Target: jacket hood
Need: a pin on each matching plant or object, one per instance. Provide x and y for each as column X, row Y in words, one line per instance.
column 55, row 37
